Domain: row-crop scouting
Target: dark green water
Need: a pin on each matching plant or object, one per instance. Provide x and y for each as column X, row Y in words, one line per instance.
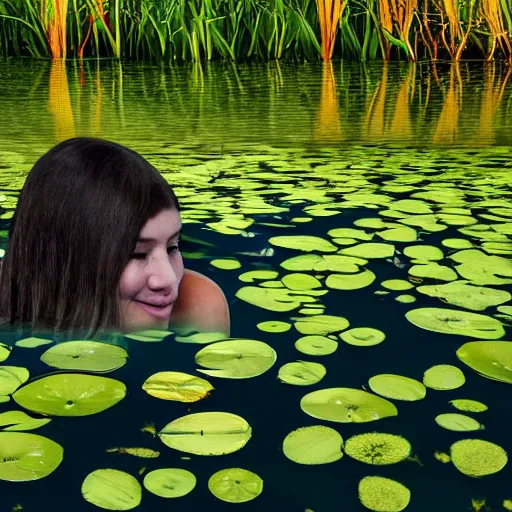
column 270, row 145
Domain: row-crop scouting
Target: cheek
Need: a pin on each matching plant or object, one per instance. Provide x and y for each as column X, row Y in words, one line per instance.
column 130, row 282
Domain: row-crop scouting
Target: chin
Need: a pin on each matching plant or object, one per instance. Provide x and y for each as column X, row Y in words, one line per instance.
column 138, row 320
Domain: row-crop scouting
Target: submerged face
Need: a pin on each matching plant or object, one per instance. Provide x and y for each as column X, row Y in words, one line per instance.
column 149, row 283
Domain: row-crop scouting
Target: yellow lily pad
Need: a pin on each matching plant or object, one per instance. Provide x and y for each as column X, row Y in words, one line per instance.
column 177, row 386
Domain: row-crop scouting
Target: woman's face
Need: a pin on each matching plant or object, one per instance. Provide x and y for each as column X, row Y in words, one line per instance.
column 149, row 283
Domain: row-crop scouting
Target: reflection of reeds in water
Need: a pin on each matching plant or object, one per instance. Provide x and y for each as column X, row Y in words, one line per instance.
column 447, row 125
column 401, row 127
column 375, row 118
column 60, row 101
column 328, row 126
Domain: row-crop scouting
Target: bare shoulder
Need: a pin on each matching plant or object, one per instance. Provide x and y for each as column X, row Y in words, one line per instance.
column 201, row 305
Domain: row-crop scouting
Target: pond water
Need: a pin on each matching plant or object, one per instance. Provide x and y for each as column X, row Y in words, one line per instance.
column 400, row 156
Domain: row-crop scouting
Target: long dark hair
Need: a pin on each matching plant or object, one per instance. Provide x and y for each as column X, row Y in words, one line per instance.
column 76, row 224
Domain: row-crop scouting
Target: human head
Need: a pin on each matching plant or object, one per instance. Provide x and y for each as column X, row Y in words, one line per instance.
column 76, row 225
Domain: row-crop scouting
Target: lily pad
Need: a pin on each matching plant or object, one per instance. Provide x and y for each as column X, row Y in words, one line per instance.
column 357, row 234
column 321, row 324
column 370, row 250
column 226, row 264
column 5, row 352
column 235, row 485
column 274, row 326
column 346, row 405
column 18, row 420
column 303, row 243
column 70, row 394
column 201, row 338
column 424, row 252
column 313, row 445
column 397, row 285
column 433, row 271
column 383, row 494
column 85, row 355
column 401, row 234
column 491, row 359
column 272, row 299
column 323, row 263
column 397, row 387
column 316, row 345
column 405, row 298
column 298, row 281
column 177, row 386
column 301, row 373
column 152, row 335
column 112, row 489
column 476, row 457
column 33, row 342
column 377, row 448
column 236, row 358
column 207, row 433
column 254, row 275
column 444, row 377
column 170, row 482
column 457, row 243
column 25, row 457
column 11, row 378
column 457, row 422
column 350, row 281
column 466, row 405
column 452, row 321
column 363, row 336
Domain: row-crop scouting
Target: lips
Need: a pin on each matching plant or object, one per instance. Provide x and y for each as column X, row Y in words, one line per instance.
column 157, row 310
column 155, row 304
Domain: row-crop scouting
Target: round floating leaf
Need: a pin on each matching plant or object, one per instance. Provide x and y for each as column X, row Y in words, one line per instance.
column 323, row 263
column 236, row 358
column 226, row 264
column 491, row 359
column 269, row 298
column 316, row 345
column 507, row 504
column 201, row 338
column 433, row 271
column 151, row 335
column 18, row 420
column 397, row 387
column 379, row 449
column 207, row 433
column 411, row 206
column 452, row 321
column 424, row 252
column 11, row 378
column 301, row 373
column 397, row 285
column 363, row 336
column 253, row 275
column 321, row 324
column 475, row 457
column 25, row 457
column 313, row 445
column 457, row 422
column 4, row 352
column 383, row 494
column 170, row 482
column 85, row 355
column 457, row 243
column 235, row 485
column 33, row 342
column 274, row 326
column 405, row 299
column 112, row 489
column 506, row 310
column 460, row 293
column 357, row 234
column 401, row 234
column 70, row 394
column 303, row 243
column 443, row 377
column 463, row 404
column 371, row 223
column 178, row 386
column 301, row 282
column 350, row 281
column 345, row 405
column 370, row 250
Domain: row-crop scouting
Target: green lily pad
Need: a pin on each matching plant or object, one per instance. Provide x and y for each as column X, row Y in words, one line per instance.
column 476, row 457
column 357, row 234
column 466, row 405
column 316, row 345
column 323, row 263
column 452, row 321
column 433, row 271
column 405, row 298
column 301, row 282
column 5, row 352
column 443, row 377
column 151, row 335
column 272, row 299
column 11, row 378
column 370, row 250
column 350, row 281
column 457, row 243
column 424, row 252
column 26, row 457
column 363, row 336
column 226, row 264
column 207, row 433
column 397, row 387
column 491, row 359
column 85, row 355
column 400, row 234
column 313, row 445
column 274, row 326
column 258, row 275
column 414, row 206
column 383, row 494
column 377, row 448
column 301, row 373
column 465, row 295
column 177, row 386
column 235, row 485
column 506, row 310
column 201, row 338
column 397, row 285
column 457, row 422
column 371, row 223
column 236, row 358
column 346, row 405
column 303, row 243
column 170, row 482
column 33, row 342
column 112, row 489
column 18, row 420
column 70, row 394
column 321, row 324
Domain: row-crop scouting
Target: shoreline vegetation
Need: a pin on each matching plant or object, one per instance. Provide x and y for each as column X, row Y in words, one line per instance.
column 174, row 31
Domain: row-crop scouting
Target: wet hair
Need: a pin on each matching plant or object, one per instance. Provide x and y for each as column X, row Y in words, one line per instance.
column 75, row 227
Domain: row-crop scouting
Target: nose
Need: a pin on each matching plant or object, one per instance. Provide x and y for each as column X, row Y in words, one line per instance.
column 162, row 274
